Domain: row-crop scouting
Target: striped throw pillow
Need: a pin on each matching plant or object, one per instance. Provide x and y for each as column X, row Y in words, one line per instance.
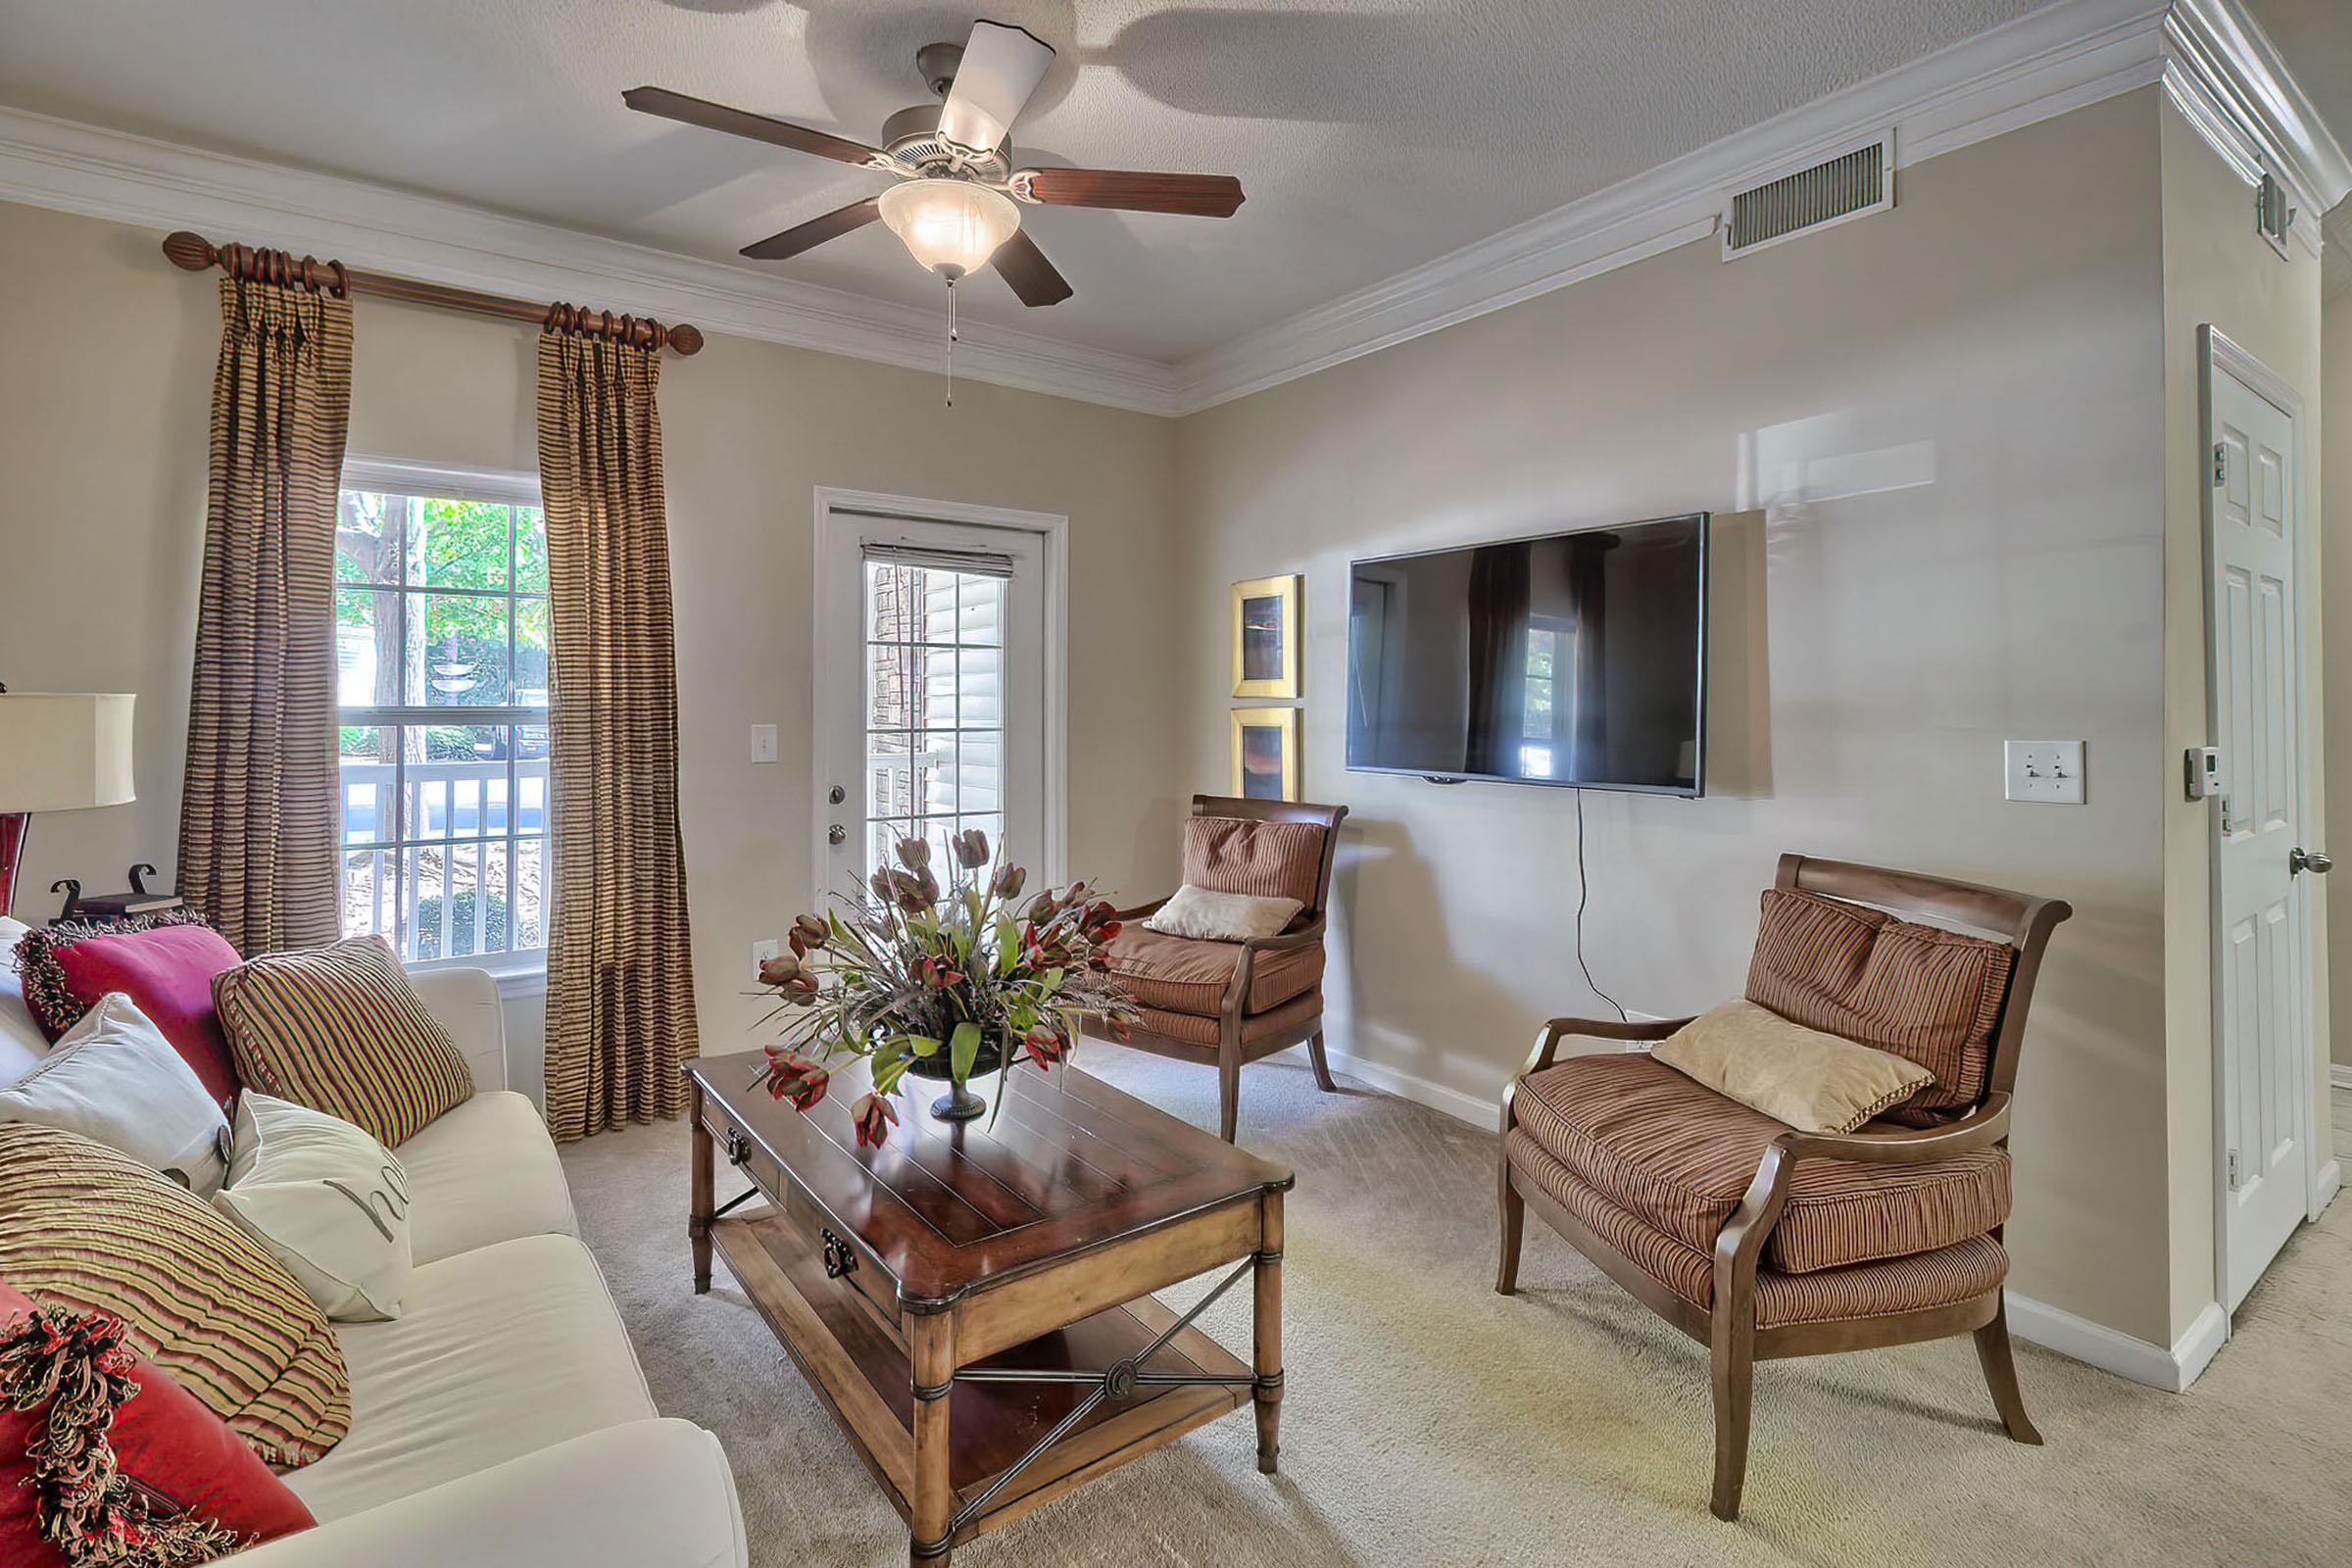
column 340, row 1029
column 84, row 1227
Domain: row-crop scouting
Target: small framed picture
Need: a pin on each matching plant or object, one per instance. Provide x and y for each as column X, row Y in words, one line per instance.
column 1265, row 636
column 1265, row 753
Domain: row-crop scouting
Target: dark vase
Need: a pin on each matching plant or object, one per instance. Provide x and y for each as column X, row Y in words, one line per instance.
column 959, row 1104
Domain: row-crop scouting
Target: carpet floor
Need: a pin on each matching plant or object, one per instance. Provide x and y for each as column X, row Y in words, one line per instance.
column 1427, row 1420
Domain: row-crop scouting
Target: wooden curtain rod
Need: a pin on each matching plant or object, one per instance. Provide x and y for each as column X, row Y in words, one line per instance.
column 193, row 253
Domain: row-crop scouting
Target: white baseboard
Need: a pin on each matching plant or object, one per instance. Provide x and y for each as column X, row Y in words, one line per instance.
column 2325, row 1186
column 1453, row 1103
column 2339, row 1075
column 2112, row 1350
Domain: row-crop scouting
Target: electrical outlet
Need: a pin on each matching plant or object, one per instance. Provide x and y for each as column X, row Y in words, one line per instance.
column 764, row 743
column 2049, row 772
column 763, row 949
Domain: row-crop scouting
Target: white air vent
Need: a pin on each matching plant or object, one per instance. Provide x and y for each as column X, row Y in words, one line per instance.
column 1854, row 182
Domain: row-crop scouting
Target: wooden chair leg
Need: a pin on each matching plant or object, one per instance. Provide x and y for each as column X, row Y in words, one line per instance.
column 1229, row 1089
column 1513, row 1210
column 1734, row 1347
column 2000, row 1376
column 1314, row 1054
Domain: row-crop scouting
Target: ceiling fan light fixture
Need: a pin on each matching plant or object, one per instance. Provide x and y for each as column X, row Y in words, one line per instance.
column 950, row 226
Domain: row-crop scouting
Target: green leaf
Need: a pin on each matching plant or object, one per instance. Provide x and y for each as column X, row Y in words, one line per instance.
column 1052, row 981
column 963, row 1049
column 1008, row 946
column 921, row 1045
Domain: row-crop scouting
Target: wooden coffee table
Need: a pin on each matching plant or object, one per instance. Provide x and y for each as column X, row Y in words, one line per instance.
column 973, row 1303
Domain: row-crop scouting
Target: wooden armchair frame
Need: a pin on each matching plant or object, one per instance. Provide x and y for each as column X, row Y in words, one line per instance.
column 1729, row 1329
column 1305, row 931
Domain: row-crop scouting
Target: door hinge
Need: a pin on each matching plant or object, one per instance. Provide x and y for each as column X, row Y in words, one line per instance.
column 2221, row 465
column 2233, row 1175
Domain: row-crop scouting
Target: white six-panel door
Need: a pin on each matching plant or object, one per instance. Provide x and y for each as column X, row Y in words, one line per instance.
column 2263, row 1034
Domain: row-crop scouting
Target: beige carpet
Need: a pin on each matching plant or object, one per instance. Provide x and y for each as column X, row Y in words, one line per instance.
column 1427, row 1420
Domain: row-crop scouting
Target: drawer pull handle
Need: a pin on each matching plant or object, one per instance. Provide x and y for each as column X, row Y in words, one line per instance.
column 838, row 1258
column 739, row 1147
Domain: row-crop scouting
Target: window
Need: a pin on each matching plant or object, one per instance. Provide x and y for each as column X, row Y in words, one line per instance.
column 935, row 686
column 1541, row 700
column 441, row 654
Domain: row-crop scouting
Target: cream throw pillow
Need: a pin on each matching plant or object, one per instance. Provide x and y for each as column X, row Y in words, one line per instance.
column 325, row 1199
column 116, row 1080
column 1816, row 1083
column 1207, row 916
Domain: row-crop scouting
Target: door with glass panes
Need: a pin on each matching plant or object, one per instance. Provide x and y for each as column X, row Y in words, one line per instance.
column 930, row 694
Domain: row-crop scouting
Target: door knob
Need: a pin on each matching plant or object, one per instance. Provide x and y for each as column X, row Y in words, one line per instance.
column 2316, row 861
column 837, row 834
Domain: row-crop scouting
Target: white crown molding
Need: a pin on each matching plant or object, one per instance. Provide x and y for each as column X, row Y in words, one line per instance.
column 2224, row 74
column 2216, row 65
column 75, row 167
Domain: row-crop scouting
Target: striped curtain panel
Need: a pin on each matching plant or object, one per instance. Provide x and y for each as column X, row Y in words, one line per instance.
column 620, row 1020
column 257, row 809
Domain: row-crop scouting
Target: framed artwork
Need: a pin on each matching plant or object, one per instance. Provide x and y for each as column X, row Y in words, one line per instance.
column 1265, row 636
column 1265, row 753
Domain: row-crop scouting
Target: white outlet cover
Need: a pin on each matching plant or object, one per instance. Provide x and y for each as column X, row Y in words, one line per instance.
column 764, row 743
column 2045, row 772
column 763, row 949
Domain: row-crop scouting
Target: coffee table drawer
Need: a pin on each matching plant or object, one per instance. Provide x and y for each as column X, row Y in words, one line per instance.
column 847, row 1262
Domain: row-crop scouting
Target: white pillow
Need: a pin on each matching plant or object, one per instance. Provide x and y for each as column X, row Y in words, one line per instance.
column 22, row 1043
column 1207, row 916
column 115, row 1078
column 325, row 1199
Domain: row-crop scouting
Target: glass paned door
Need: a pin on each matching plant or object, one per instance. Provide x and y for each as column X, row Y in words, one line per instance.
column 931, row 695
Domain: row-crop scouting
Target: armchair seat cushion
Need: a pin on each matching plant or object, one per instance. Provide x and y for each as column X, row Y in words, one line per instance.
column 1182, row 975
column 1679, row 1157
column 1919, row 1282
column 1300, row 1013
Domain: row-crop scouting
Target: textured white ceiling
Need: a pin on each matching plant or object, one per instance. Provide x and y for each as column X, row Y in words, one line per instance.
column 1371, row 135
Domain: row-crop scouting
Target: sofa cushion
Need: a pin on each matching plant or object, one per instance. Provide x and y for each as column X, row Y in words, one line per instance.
column 1177, row 974
column 1192, row 1030
column 1922, row 992
column 85, row 1227
column 1271, row 859
column 1680, row 1156
column 1920, row 1282
column 114, row 1078
column 163, row 963
column 497, row 1352
column 340, row 1029
column 482, row 1173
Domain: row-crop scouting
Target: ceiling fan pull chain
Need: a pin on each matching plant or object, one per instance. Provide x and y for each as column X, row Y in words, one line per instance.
column 951, row 342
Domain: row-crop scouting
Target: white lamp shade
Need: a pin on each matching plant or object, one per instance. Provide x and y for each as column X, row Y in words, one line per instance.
column 65, row 751
column 950, row 223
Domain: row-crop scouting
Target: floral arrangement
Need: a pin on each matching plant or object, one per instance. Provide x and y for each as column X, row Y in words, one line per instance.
column 940, row 982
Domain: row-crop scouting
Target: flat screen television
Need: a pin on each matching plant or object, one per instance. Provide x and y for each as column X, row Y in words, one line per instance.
column 1576, row 659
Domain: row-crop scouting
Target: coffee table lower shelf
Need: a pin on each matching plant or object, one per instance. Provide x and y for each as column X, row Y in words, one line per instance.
column 859, row 1367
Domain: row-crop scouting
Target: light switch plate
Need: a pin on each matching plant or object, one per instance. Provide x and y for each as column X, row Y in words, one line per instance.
column 761, row 951
column 2046, row 771
column 764, row 743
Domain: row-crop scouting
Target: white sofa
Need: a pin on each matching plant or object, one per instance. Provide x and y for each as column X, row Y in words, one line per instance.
column 502, row 1418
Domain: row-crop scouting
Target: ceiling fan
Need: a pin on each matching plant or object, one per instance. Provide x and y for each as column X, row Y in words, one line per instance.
column 956, row 206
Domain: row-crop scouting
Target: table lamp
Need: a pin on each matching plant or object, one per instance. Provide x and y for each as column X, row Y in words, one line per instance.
column 59, row 752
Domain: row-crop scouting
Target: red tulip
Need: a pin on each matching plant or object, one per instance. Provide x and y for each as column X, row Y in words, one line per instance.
column 914, row 854
column 779, row 970
column 971, row 849
column 879, row 884
column 1045, row 1047
column 1008, row 881
column 1107, row 931
column 874, row 1118
column 795, row 1078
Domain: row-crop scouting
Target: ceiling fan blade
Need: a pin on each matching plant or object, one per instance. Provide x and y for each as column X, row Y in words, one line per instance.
column 1022, row 265
column 1000, row 67
column 1196, row 195
column 814, row 232
column 743, row 122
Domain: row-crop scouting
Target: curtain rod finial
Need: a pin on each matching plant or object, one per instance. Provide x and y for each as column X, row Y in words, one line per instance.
column 685, row 338
column 190, row 253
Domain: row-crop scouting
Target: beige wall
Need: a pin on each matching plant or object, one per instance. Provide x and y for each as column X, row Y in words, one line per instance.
column 102, row 443
column 1939, row 428
column 2219, row 272
column 2336, row 506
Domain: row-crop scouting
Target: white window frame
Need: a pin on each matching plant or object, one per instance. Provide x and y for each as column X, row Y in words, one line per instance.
column 516, row 970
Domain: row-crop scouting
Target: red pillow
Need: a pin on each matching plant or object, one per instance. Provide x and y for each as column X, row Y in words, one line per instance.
column 166, row 970
column 189, row 1478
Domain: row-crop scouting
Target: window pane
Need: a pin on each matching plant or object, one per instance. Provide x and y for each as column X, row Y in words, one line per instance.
column 371, row 893
column 366, row 647
column 455, row 783
column 530, row 549
column 529, row 906
column 530, row 778
column 890, row 702
column 457, row 652
column 457, row 544
column 367, row 535
column 426, row 873
column 935, row 773
column 979, row 690
column 530, row 653
column 980, row 609
column 894, row 598
column 889, row 778
column 367, row 769
column 882, row 842
column 979, row 764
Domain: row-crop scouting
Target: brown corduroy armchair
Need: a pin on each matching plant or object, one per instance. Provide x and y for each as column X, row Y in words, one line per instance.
column 1231, row 1003
column 1760, row 1240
